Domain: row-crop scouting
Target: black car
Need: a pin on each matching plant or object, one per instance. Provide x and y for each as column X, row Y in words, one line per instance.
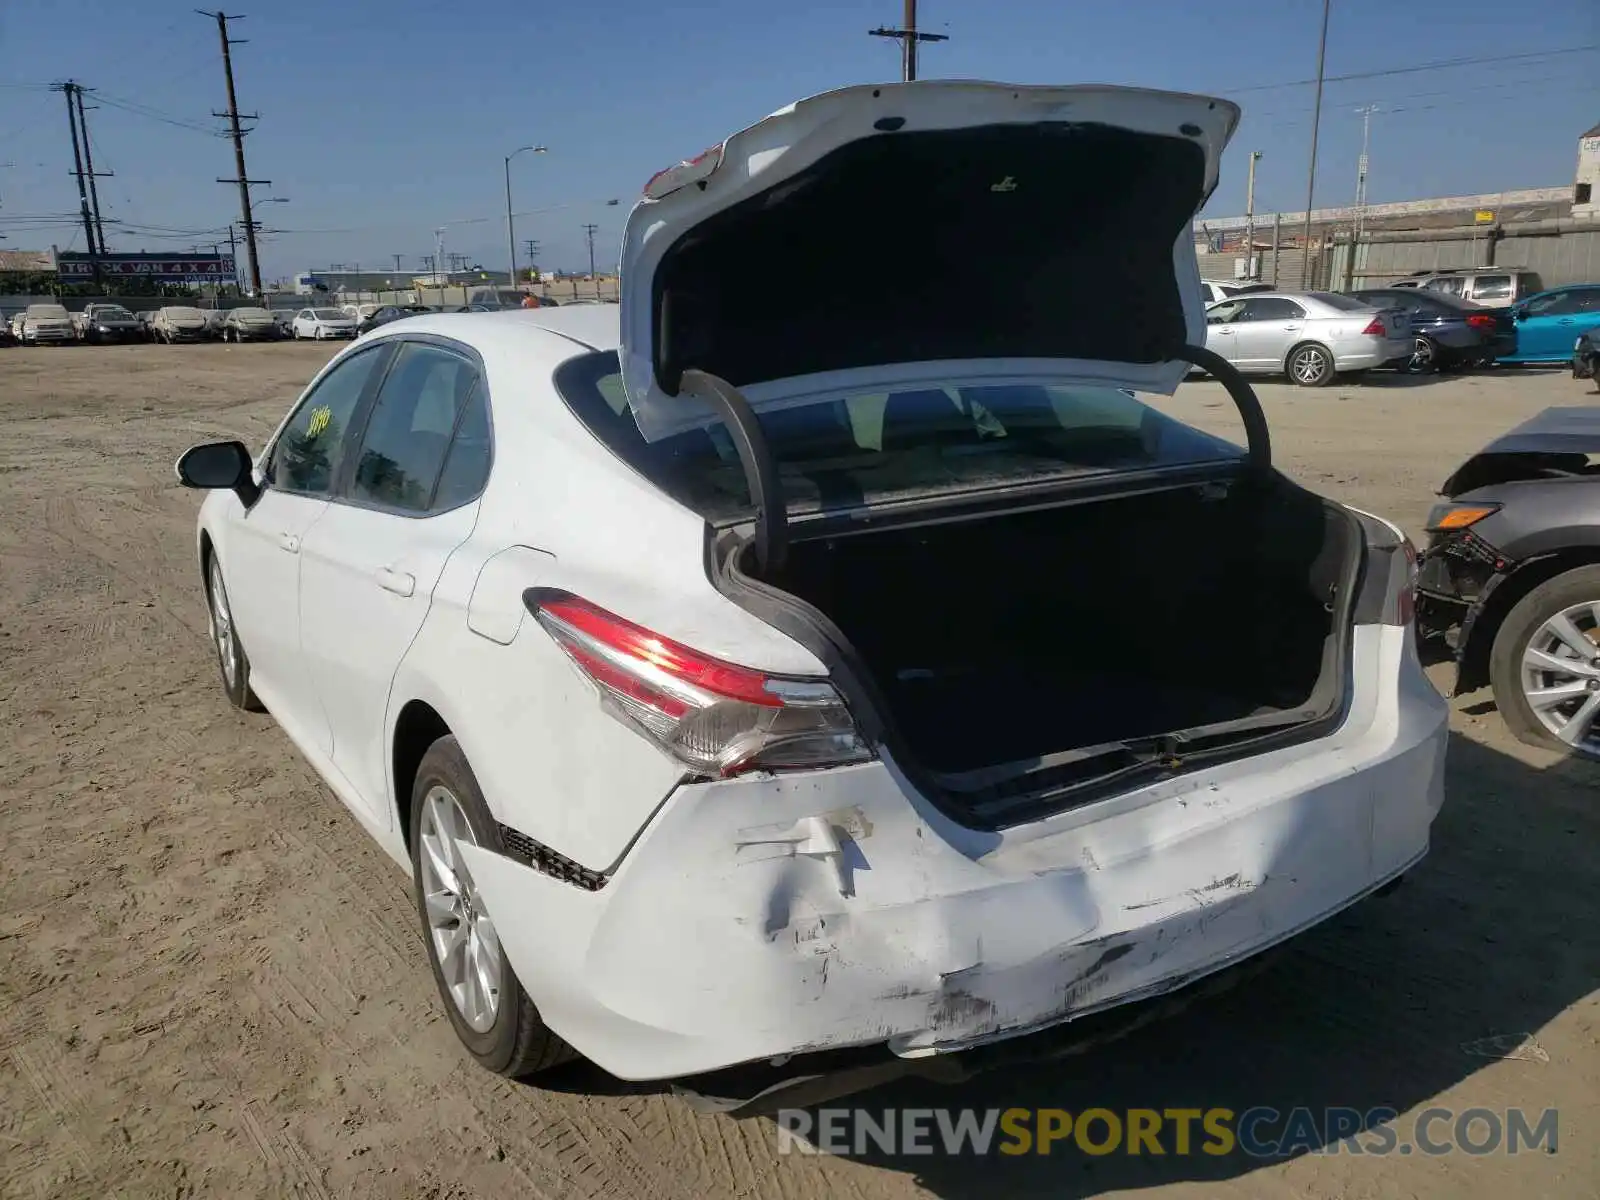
column 1510, row 580
column 1586, row 358
column 1449, row 332
column 391, row 312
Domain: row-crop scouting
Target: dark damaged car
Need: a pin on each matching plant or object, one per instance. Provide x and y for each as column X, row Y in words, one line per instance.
column 1510, row 580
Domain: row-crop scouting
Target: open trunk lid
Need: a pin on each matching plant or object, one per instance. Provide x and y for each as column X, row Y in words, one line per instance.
column 934, row 230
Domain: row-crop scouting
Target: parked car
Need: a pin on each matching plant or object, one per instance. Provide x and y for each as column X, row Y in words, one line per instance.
column 249, row 325
column 15, row 325
column 683, row 778
column 44, row 324
column 1485, row 287
column 360, row 311
column 1550, row 323
column 179, row 323
column 107, row 323
column 322, row 323
column 1448, row 332
column 284, row 320
column 1509, row 580
column 388, row 313
column 1586, row 357
column 1309, row 336
column 216, row 318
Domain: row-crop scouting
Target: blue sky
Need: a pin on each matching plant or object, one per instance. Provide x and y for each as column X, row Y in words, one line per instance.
column 382, row 120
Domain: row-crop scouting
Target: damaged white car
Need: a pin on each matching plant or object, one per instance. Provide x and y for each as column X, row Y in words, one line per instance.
column 767, row 666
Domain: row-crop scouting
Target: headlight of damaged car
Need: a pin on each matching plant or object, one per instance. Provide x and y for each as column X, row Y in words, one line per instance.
column 1450, row 516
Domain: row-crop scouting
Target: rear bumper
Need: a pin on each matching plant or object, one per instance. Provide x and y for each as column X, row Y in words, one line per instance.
column 770, row 916
column 1376, row 352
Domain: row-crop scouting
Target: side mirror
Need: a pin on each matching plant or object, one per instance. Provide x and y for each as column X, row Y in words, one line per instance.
column 219, row 465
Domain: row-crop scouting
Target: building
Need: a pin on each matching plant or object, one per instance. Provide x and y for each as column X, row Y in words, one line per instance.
column 1586, row 190
column 339, row 279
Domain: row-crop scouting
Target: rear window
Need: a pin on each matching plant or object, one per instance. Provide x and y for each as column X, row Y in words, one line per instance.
column 865, row 448
column 1342, row 303
column 329, row 314
column 185, row 314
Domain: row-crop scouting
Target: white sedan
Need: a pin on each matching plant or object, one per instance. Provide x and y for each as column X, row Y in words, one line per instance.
column 756, row 669
column 321, row 323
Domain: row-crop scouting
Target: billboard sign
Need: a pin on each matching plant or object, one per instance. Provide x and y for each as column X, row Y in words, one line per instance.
column 157, row 268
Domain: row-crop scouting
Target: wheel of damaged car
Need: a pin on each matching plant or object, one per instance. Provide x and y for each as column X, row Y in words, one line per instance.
column 1544, row 666
column 486, row 1004
column 1310, row 365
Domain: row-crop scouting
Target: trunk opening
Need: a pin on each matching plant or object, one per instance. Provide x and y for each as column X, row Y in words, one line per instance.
column 1026, row 655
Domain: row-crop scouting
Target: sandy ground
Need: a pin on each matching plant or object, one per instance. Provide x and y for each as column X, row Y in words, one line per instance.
column 211, row 983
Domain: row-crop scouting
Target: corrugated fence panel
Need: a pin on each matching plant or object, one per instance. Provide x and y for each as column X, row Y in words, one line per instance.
column 1567, row 258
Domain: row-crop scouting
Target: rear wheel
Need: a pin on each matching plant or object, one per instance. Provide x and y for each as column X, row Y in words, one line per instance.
column 1310, row 365
column 1544, row 666
column 488, row 1009
column 1424, row 356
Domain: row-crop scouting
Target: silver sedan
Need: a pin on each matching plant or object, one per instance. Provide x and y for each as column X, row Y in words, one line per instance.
column 1309, row 336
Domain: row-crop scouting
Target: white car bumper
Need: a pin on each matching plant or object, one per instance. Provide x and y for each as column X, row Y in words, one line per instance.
column 770, row 916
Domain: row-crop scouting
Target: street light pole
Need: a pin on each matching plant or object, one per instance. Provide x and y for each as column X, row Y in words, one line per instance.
column 511, row 225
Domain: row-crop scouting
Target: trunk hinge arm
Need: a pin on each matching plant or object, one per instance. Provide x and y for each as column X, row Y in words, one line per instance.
column 755, row 456
column 1257, row 440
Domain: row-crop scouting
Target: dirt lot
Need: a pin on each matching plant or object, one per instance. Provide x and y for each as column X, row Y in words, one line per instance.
column 211, row 984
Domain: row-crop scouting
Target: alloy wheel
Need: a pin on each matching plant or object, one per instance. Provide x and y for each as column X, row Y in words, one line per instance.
column 1561, row 675
column 1308, row 365
column 463, row 935
column 222, row 626
column 1422, row 355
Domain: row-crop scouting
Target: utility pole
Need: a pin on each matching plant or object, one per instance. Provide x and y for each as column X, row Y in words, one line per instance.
column 68, row 89
column 242, row 178
column 908, row 35
column 589, row 232
column 1250, row 219
column 88, row 167
column 1311, row 174
column 396, row 264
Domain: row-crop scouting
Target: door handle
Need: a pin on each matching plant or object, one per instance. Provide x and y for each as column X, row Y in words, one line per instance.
column 1224, row 331
column 401, row 583
column 289, row 541
column 1566, row 321
column 1290, row 328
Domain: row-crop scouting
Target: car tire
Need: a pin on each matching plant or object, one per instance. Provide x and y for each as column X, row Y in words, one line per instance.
column 232, row 661
column 1425, row 357
column 1310, row 365
column 497, row 1023
column 1525, row 628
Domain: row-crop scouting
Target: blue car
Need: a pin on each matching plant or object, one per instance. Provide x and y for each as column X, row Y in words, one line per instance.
column 1550, row 323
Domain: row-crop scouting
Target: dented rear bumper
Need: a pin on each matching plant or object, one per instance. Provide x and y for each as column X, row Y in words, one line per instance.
column 764, row 917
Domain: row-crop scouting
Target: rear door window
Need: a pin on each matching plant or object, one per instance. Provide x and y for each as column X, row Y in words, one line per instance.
column 1491, row 287
column 1272, row 308
column 1451, row 285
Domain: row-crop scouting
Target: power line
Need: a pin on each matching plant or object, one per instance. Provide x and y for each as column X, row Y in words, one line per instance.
column 1441, row 65
column 142, row 110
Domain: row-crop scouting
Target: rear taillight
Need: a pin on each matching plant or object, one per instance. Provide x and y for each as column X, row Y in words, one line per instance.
column 1480, row 321
column 1406, row 601
column 1375, row 328
column 715, row 717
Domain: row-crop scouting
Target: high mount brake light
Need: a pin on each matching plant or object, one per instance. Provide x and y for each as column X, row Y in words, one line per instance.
column 701, row 166
column 717, row 718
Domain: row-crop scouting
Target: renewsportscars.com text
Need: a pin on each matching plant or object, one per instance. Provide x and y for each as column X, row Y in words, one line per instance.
column 1260, row 1132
